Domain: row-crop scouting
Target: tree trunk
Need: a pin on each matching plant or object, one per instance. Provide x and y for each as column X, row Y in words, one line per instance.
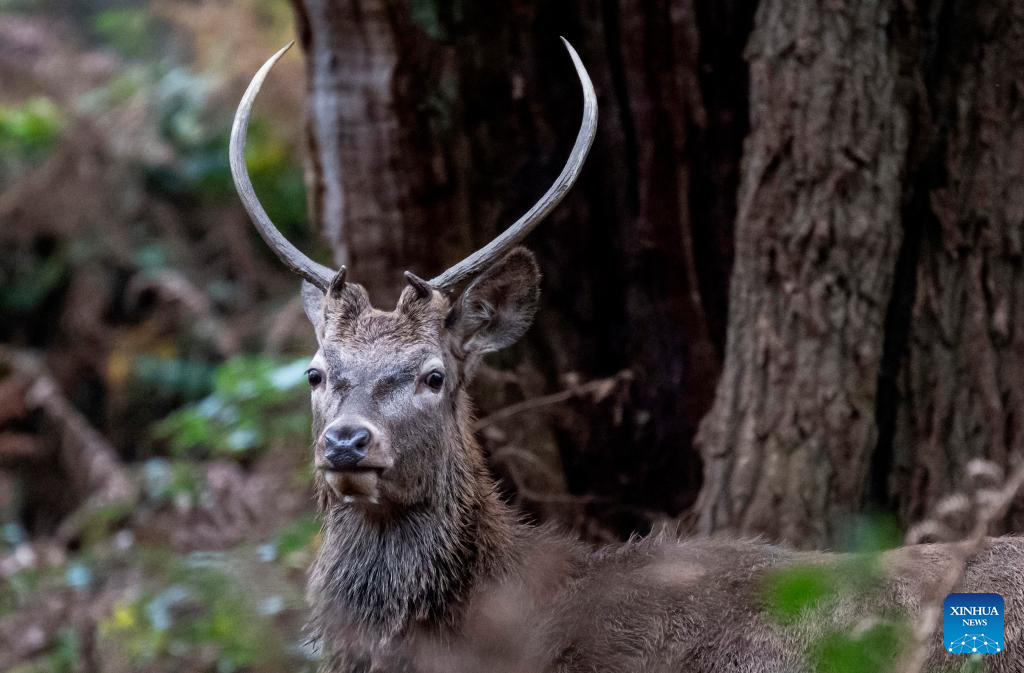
column 788, row 443
column 961, row 382
column 434, row 125
column 875, row 346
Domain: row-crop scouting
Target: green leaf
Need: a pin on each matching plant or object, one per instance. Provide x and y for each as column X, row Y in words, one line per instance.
column 127, row 30
column 27, row 288
column 875, row 650
column 790, row 591
column 255, row 400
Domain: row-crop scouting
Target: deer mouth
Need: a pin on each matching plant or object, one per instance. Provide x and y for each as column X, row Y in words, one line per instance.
column 354, row 484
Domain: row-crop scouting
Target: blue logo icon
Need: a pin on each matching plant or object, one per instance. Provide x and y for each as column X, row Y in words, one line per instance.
column 973, row 623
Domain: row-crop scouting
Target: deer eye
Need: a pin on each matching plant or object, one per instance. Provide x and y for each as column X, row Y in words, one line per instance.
column 315, row 377
column 434, row 380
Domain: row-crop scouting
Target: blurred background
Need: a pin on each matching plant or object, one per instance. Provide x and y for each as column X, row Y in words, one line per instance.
column 784, row 298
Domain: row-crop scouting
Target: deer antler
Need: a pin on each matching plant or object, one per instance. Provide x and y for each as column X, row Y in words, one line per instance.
column 321, row 276
column 496, row 249
column 315, row 273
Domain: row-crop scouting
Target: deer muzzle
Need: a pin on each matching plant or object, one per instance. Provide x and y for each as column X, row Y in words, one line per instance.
column 352, row 456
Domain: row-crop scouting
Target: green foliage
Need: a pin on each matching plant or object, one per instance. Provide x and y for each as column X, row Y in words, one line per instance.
column 871, row 534
column 192, row 610
column 276, row 13
column 189, row 378
column 199, row 137
column 791, row 591
column 180, row 482
column 294, row 545
column 874, row 650
column 133, row 80
column 30, row 127
column 276, row 178
column 255, row 400
column 801, row 594
column 128, row 30
column 22, row 588
column 202, row 168
column 26, row 280
column 19, row 5
column 63, row 657
column 18, row 588
column 28, row 133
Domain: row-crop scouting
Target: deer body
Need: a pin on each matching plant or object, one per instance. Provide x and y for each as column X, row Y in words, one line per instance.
column 541, row 602
column 423, row 568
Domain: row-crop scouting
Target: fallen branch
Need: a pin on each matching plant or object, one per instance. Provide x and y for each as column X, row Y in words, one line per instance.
column 17, row 448
column 990, row 505
column 598, row 390
column 97, row 475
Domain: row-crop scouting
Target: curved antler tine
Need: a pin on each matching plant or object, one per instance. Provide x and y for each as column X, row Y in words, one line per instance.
column 422, row 287
column 337, row 284
column 484, row 257
column 315, row 273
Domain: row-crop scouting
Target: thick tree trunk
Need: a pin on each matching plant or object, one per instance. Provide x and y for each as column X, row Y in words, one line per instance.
column 961, row 382
column 788, row 443
column 434, row 125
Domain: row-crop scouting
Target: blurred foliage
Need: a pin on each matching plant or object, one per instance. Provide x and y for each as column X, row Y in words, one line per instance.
column 874, row 650
column 793, row 591
column 28, row 132
column 294, row 545
column 18, row 589
column 129, row 30
column 190, row 378
column 27, row 279
column 179, row 482
column 201, row 612
column 126, row 261
column 255, row 401
column 63, row 657
column 195, row 612
column 797, row 596
column 197, row 608
column 30, row 127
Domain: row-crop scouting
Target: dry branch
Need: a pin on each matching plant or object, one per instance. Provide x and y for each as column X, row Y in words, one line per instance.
column 989, row 505
column 598, row 390
column 97, row 475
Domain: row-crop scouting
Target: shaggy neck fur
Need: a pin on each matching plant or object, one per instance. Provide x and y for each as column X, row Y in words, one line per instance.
column 416, row 565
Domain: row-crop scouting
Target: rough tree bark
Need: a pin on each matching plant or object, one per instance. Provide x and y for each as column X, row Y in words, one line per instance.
column 788, row 443
column 960, row 385
column 875, row 339
column 433, row 125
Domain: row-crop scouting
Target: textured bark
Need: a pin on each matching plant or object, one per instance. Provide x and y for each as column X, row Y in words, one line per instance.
column 961, row 380
column 433, row 125
column 788, row 443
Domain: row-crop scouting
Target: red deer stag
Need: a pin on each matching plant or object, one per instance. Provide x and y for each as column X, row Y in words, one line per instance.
column 424, row 568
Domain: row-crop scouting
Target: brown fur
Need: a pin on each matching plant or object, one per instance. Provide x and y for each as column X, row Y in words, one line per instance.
column 426, row 569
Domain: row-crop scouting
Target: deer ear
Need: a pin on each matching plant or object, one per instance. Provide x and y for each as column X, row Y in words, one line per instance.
column 498, row 307
column 313, row 305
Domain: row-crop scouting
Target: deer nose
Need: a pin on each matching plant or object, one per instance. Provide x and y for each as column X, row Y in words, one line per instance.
column 346, row 445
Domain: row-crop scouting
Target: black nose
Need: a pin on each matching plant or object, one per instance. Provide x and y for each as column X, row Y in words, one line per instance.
column 346, row 445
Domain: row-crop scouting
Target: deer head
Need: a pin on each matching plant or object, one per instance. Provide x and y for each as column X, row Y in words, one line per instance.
column 391, row 418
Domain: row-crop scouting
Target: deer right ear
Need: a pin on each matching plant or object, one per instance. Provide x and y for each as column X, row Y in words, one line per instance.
column 498, row 307
column 313, row 305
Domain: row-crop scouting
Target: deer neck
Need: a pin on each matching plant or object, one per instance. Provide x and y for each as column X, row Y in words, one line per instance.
column 415, row 566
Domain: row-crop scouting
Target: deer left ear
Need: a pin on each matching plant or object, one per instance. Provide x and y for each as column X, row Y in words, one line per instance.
column 498, row 307
column 313, row 305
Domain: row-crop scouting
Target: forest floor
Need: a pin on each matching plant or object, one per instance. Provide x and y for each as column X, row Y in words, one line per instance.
column 155, row 507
